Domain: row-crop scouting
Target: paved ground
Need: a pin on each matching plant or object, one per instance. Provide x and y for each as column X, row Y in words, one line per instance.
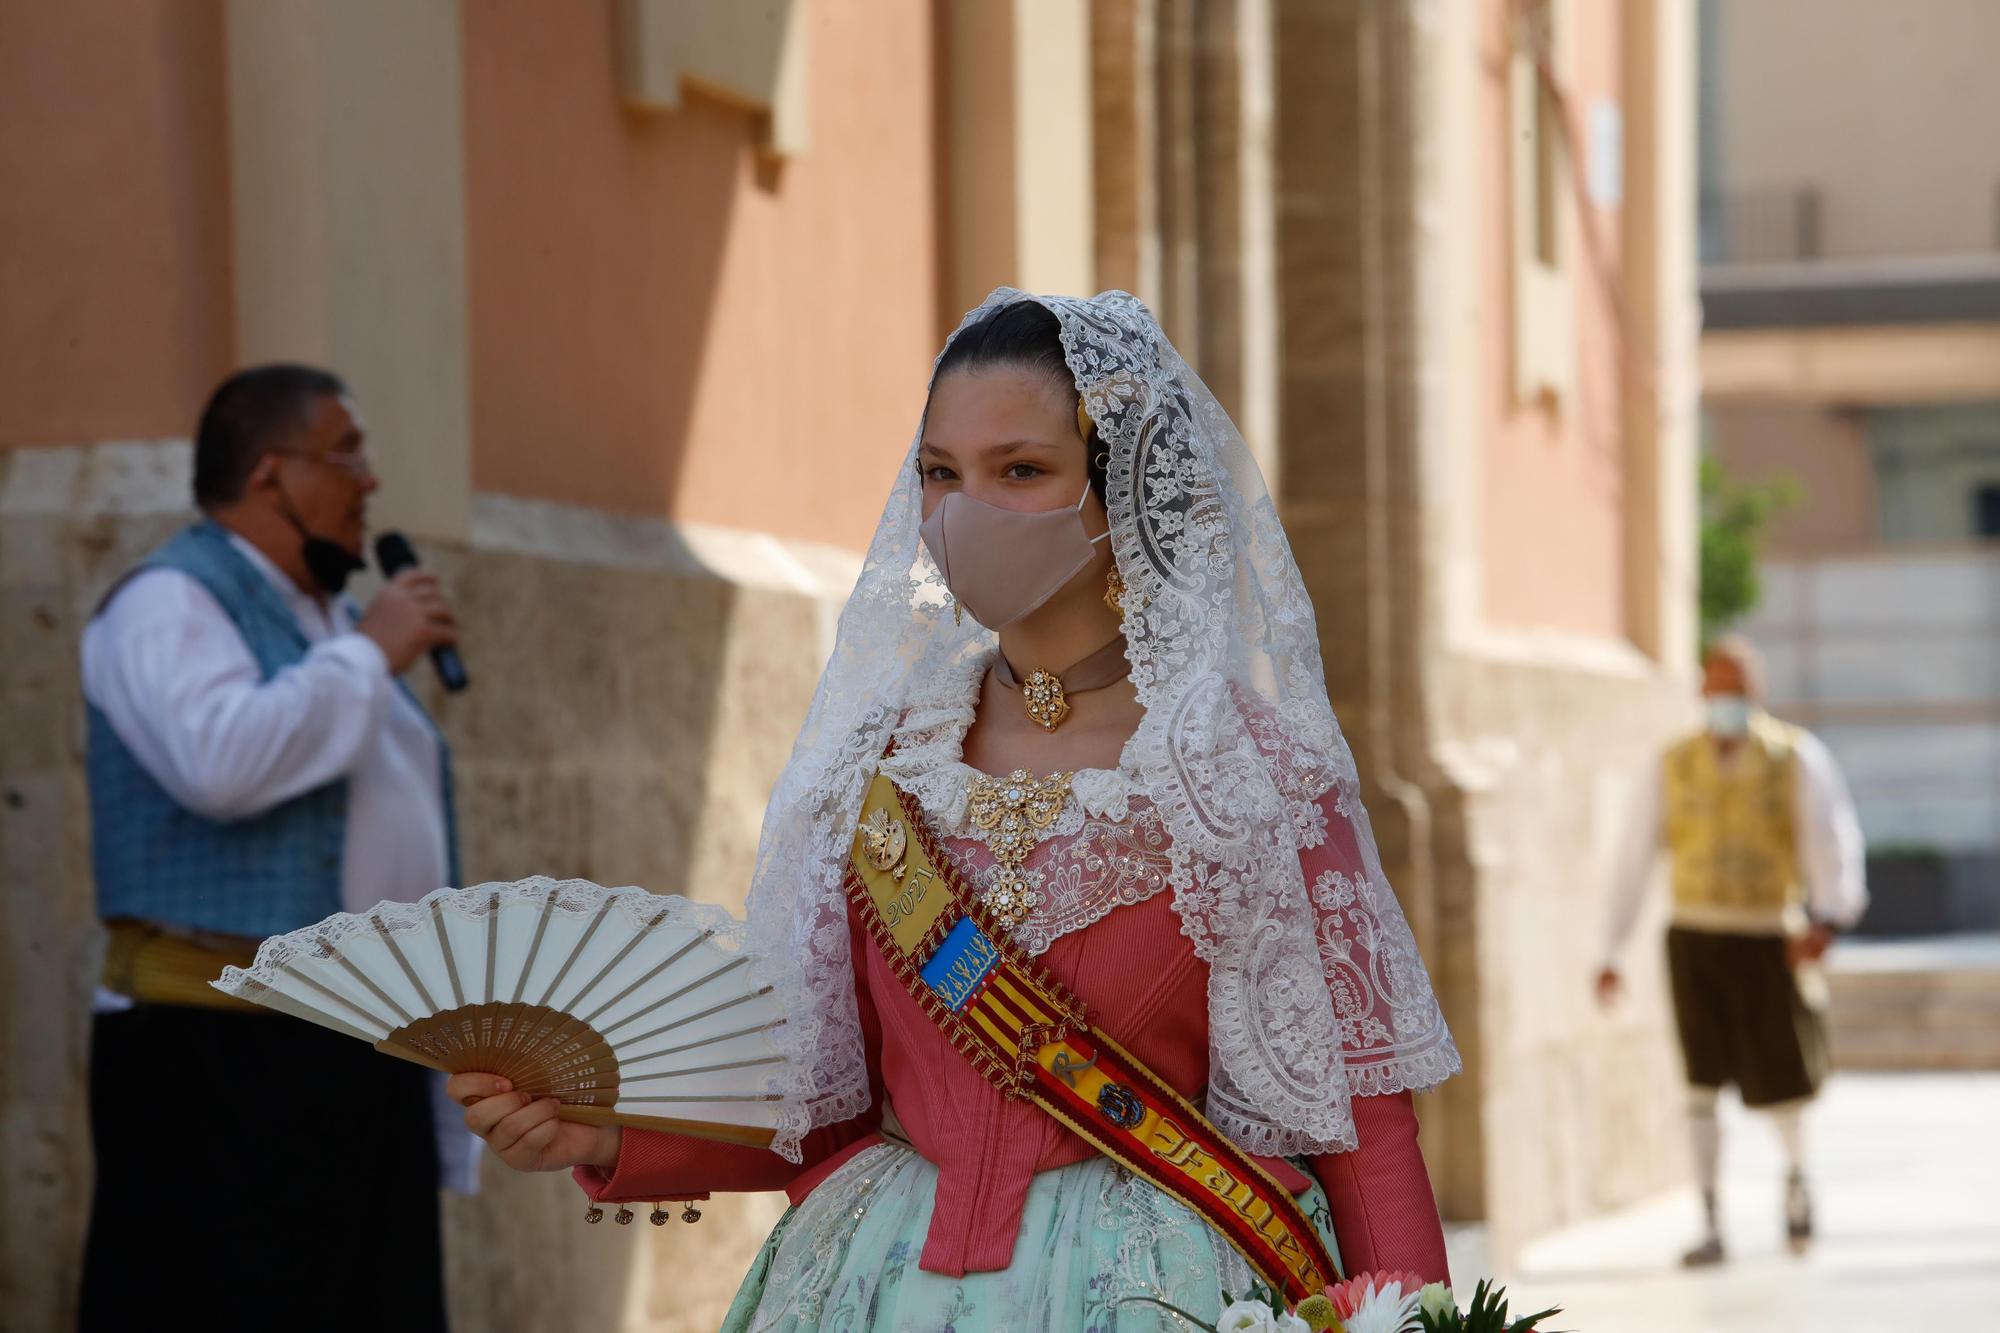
column 1907, row 1184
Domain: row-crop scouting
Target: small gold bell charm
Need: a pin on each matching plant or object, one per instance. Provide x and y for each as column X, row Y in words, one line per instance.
column 690, row 1213
column 593, row 1214
column 658, row 1217
column 623, row 1217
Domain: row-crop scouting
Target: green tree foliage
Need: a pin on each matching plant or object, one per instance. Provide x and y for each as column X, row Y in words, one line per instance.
column 1734, row 519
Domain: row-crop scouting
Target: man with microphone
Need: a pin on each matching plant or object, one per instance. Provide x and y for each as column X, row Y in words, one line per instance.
column 255, row 765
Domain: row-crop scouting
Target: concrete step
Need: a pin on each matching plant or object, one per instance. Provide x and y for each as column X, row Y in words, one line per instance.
column 1916, row 1004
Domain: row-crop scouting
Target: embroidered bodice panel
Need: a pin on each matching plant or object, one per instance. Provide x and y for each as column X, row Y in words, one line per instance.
column 1086, row 866
column 1107, row 848
column 1347, row 991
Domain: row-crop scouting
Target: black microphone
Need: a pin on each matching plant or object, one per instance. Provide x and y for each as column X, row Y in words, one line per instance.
column 395, row 554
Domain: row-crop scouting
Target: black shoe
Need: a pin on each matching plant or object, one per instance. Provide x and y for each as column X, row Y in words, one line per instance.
column 1798, row 1213
column 1705, row 1255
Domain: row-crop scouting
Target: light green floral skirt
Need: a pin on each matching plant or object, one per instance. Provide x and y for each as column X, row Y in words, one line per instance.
column 1093, row 1236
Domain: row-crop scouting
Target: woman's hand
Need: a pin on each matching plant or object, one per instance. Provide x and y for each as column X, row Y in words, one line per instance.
column 524, row 1133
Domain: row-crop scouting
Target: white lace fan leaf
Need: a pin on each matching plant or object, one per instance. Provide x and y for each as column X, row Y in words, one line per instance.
column 628, row 1007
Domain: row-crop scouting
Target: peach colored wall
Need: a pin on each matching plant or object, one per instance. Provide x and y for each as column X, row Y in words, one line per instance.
column 1824, row 449
column 1552, row 506
column 1887, row 109
column 114, row 218
column 662, row 325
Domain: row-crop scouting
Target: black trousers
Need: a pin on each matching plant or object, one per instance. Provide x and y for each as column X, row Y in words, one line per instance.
column 255, row 1171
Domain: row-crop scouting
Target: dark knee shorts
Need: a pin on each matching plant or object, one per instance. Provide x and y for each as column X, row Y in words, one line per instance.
column 1742, row 1019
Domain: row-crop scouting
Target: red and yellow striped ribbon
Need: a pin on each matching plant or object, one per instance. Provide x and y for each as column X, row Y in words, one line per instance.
column 1030, row 1037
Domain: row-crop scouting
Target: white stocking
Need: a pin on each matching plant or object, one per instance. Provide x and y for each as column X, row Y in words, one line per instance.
column 1791, row 1125
column 1705, row 1133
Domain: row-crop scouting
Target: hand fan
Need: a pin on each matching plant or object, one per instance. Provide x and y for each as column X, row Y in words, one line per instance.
column 628, row 1007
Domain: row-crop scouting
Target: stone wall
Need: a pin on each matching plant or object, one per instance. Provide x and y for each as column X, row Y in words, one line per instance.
column 1493, row 762
column 1579, row 1109
column 636, row 690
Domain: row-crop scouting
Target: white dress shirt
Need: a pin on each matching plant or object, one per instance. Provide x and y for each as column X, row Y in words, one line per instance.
column 173, row 676
column 1832, row 857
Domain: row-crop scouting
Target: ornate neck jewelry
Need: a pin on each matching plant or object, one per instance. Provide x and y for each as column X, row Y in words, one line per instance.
column 1013, row 813
column 1046, row 695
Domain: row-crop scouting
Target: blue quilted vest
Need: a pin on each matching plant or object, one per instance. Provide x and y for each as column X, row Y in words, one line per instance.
column 158, row 861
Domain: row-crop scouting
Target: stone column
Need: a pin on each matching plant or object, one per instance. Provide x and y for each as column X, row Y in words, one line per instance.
column 1018, row 112
column 1185, row 196
column 1360, row 173
column 1658, row 244
column 347, row 179
column 1125, row 114
column 1234, row 320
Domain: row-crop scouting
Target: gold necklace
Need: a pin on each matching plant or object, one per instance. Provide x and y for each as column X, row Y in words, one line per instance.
column 1045, row 694
column 1014, row 813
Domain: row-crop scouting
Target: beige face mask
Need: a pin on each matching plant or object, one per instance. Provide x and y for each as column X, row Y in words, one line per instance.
column 1004, row 564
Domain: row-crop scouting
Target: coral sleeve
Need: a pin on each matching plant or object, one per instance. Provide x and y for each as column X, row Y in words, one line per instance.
column 1384, row 1214
column 653, row 1165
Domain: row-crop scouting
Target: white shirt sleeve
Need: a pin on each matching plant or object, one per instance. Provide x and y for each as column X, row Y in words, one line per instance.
column 1632, row 866
column 1832, row 856
column 175, row 679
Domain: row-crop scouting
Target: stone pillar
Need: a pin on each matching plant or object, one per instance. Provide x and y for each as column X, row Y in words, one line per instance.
column 1359, row 166
column 1662, row 320
column 1018, row 113
column 347, row 179
column 1178, row 163
column 1185, row 195
column 1491, row 759
column 1233, row 321
column 1125, row 113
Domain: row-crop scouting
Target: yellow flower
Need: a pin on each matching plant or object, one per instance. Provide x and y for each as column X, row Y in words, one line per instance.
column 1319, row 1314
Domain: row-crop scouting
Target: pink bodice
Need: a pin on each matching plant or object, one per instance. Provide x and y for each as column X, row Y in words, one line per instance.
column 1145, row 987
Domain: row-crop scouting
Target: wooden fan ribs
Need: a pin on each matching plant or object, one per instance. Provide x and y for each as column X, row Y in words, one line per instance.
column 574, row 1066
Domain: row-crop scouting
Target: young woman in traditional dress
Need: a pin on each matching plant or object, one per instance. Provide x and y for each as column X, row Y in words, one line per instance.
column 1082, row 654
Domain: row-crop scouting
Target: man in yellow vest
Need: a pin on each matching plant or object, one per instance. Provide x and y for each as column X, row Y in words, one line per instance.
column 1767, row 865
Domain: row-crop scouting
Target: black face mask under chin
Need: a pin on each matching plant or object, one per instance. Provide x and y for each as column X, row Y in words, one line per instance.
column 329, row 563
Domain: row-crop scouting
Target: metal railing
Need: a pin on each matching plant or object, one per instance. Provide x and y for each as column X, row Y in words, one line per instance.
column 1761, row 226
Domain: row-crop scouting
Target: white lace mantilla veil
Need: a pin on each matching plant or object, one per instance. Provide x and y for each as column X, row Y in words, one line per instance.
column 1237, row 742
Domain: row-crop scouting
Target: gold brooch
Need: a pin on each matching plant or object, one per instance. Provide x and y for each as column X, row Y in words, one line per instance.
column 1045, row 694
column 1013, row 813
column 883, row 840
column 1046, row 703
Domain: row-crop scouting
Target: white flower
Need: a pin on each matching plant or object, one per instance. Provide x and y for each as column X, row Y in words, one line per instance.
column 1385, row 1311
column 1249, row 1317
column 1437, row 1301
column 1290, row 1323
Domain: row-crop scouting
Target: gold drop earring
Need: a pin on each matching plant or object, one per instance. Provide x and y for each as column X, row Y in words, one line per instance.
column 1114, row 591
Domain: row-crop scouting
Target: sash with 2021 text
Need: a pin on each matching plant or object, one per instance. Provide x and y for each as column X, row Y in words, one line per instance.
column 1031, row 1038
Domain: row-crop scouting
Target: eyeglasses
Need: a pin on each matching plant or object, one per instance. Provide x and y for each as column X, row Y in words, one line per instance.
column 353, row 462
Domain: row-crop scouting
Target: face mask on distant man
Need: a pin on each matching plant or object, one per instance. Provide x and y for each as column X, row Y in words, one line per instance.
column 328, row 562
column 1728, row 714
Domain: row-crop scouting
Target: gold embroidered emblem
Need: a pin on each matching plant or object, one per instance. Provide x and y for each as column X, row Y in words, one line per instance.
column 1066, row 1067
column 883, row 840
